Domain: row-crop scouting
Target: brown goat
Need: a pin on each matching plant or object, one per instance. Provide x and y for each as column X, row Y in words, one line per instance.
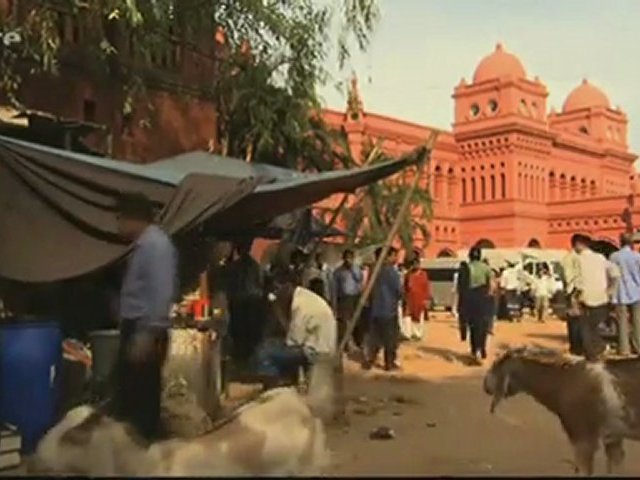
column 596, row 402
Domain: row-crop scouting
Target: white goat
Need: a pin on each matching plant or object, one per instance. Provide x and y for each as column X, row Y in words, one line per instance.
column 280, row 433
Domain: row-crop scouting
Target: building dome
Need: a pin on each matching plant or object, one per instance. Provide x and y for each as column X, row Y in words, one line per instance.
column 585, row 96
column 499, row 64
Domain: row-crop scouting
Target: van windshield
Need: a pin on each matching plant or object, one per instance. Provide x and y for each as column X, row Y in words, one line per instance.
column 441, row 274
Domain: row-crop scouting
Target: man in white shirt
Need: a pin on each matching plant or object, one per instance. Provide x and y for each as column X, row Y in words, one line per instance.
column 311, row 331
column 454, row 296
column 543, row 288
column 595, row 281
column 571, row 267
column 510, row 285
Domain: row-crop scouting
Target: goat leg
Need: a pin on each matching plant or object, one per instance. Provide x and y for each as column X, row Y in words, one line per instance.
column 584, row 452
column 615, row 455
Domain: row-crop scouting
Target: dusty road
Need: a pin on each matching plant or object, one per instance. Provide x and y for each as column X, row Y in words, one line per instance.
column 441, row 417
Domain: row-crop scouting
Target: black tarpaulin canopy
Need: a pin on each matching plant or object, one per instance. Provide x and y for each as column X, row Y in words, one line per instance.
column 57, row 218
column 214, row 164
column 280, row 190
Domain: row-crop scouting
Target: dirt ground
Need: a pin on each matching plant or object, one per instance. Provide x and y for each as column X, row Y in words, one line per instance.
column 440, row 414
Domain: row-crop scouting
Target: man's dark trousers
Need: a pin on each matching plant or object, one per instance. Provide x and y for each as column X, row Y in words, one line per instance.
column 591, row 319
column 574, row 336
column 384, row 333
column 346, row 307
column 139, row 384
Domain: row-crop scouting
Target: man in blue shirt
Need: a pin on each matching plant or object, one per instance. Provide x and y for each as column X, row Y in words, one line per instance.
column 385, row 297
column 627, row 295
column 148, row 290
column 347, row 281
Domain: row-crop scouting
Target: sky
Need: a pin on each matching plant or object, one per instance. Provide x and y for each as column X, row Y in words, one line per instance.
column 422, row 48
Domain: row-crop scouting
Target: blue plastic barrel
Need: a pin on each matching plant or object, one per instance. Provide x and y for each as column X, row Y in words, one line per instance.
column 30, row 355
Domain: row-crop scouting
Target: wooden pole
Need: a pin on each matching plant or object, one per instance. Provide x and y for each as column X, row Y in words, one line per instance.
column 385, row 248
column 341, row 407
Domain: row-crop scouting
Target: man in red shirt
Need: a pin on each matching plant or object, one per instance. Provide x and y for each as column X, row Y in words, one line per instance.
column 417, row 289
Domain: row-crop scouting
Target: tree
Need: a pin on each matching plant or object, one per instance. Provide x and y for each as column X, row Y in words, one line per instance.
column 369, row 218
column 265, row 103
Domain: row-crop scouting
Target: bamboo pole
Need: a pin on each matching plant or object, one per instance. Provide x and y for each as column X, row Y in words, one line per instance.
column 341, row 407
column 385, row 248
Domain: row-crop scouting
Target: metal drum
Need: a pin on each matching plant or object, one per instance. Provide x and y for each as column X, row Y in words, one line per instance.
column 104, row 353
column 195, row 356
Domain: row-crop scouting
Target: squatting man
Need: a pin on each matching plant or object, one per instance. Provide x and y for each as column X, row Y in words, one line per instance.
column 311, row 331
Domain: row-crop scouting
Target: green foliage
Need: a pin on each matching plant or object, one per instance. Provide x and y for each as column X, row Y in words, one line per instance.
column 39, row 45
column 266, row 104
column 367, row 221
column 265, row 96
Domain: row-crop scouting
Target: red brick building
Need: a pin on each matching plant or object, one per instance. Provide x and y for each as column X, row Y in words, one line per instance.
column 176, row 116
column 510, row 171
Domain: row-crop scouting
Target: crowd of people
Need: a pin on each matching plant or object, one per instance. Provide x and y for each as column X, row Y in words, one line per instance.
column 484, row 294
column 594, row 284
column 591, row 289
column 301, row 295
column 398, row 302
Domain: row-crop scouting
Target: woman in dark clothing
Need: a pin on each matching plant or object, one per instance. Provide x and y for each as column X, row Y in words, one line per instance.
column 478, row 304
column 462, row 287
column 494, row 293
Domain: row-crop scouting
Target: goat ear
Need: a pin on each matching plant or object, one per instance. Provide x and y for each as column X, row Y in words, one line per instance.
column 499, row 394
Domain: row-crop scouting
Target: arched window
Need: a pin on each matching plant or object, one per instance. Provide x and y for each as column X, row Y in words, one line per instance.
column 520, row 192
column 485, row 243
column 473, row 189
column 452, row 189
column 493, row 187
column 563, row 186
column 541, row 191
column 534, row 243
column 552, row 186
column 532, row 187
column 483, row 189
column 464, row 190
column 437, row 187
column 503, row 185
column 573, row 186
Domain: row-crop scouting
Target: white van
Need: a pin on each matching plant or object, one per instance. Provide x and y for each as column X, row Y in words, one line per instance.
column 441, row 273
column 531, row 260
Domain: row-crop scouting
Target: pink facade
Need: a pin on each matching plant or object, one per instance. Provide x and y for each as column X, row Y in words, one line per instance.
column 511, row 171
